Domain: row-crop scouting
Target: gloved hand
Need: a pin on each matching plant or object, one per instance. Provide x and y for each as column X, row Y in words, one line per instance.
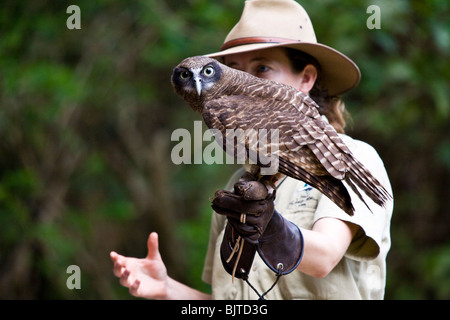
column 238, row 249
column 250, row 197
column 278, row 241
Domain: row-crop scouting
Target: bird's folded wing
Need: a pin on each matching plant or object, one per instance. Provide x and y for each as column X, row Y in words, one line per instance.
column 302, row 140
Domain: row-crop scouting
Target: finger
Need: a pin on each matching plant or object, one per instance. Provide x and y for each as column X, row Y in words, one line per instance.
column 124, row 278
column 251, row 217
column 134, row 287
column 153, row 247
column 119, row 265
column 251, row 190
column 236, row 203
column 226, row 212
column 226, row 199
column 113, row 255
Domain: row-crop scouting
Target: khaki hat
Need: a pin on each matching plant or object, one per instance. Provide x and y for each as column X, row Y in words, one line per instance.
column 284, row 23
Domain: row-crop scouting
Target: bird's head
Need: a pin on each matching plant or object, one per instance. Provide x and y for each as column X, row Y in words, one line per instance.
column 194, row 78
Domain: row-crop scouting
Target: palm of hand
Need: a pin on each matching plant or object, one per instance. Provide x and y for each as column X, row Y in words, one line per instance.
column 146, row 277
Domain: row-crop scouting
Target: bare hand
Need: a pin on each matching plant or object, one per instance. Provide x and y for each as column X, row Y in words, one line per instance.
column 147, row 277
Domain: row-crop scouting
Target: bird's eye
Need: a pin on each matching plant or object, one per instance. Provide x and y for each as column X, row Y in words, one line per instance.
column 185, row 75
column 208, row 71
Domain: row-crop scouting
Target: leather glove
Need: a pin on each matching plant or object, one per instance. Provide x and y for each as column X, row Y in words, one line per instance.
column 281, row 245
column 278, row 241
column 236, row 254
column 238, row 249
column 250, row 197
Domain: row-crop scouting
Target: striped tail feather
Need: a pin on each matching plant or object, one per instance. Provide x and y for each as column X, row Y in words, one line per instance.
column 331, row 187
column 359, row 176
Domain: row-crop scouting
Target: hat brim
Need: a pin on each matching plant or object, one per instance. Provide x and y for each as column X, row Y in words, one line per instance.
column 339, row 73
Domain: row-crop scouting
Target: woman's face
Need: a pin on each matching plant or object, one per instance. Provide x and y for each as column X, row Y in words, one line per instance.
column 271, row 64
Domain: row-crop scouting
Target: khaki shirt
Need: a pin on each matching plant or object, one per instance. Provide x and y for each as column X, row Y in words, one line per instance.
column 361, row 274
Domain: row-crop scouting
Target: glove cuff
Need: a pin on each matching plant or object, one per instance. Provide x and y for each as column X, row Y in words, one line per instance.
column 281, row 245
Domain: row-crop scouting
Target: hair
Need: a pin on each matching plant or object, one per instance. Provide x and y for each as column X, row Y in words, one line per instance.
column 330, row 106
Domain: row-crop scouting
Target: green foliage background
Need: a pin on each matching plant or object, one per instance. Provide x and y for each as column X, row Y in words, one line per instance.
column 86, row 118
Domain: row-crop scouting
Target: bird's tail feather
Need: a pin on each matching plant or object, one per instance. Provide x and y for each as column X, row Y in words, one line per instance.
column 331, row 187
column 359, row 176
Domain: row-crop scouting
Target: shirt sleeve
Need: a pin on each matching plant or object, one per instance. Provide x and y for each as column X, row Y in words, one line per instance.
column 367, row 243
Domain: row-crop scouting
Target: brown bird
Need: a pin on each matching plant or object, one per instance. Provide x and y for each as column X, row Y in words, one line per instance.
column 308, row 148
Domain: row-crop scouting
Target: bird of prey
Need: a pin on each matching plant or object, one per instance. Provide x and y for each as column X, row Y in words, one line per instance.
column 308, row 147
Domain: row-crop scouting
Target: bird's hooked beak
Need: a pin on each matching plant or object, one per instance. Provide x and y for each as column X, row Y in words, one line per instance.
column 198, row 84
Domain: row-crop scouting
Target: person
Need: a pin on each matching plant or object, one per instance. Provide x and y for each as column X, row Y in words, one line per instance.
column 336, row 256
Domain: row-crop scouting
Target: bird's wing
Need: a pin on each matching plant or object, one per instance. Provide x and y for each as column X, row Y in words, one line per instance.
column 295, row 144
column 303, row 140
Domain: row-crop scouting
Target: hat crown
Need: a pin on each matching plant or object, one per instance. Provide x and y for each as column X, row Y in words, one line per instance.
column 280, row 19
column 284, row 23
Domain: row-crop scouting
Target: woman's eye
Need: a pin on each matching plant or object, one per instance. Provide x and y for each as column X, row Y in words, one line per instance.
column 185, row 75
column 208, row 71
column 262, row 69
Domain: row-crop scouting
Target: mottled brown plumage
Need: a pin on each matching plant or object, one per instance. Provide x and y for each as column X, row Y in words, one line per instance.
column 309, row 149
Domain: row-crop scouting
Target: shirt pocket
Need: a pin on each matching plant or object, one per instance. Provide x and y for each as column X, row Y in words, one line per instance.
column 301, row 206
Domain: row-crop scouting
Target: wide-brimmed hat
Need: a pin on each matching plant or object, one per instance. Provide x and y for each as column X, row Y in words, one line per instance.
column 284, row 23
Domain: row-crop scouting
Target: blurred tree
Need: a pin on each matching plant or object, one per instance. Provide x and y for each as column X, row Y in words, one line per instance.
column 86, row 118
